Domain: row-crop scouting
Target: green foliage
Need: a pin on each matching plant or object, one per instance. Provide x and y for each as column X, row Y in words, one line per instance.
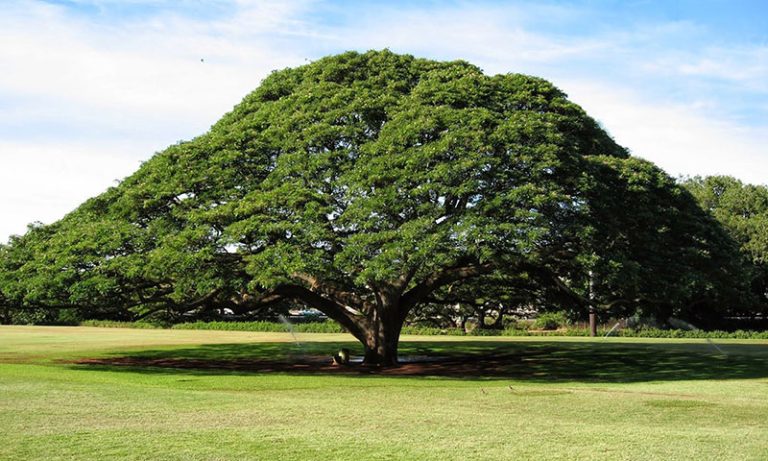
column 743, row 210
column 432, row 331
column 551, row 321
column 651, row 249
column 38, row 316
column 692, row 334
column 68, row 317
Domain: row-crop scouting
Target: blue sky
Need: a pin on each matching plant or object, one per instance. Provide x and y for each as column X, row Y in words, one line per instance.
column 91, row 88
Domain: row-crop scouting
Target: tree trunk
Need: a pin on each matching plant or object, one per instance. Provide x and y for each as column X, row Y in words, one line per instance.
column 383, row 335
column 592, row 321
column 592, row 310
column 382, row 354
column 376, row 325
column 498, row 324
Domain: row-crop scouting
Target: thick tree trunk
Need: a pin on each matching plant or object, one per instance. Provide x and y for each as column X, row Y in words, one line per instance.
column 383, row 335
column 381, row 354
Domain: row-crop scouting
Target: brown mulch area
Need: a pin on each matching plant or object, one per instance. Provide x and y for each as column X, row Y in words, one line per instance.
column 487, row 365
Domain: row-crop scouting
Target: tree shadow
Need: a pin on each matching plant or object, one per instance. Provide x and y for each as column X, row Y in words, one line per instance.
column 543, row 361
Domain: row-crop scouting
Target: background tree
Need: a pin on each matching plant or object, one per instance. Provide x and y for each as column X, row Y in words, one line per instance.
column 645, row 246
column 743, row 210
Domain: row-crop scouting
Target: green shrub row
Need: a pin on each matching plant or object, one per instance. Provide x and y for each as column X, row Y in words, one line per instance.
column 120, row 324
column 693, row 334
column 333, row 327
column 308, row 327
column 550, row 321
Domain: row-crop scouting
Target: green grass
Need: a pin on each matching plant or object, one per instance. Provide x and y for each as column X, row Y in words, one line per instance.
column 560, row 398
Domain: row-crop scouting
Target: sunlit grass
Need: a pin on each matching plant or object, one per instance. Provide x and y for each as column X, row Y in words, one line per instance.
column 565, row 398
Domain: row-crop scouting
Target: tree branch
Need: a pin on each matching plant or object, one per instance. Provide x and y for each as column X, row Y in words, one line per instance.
column 333, row 309
column 437, row 279
column 584, row 301
column 331, row 290
column 330, row 307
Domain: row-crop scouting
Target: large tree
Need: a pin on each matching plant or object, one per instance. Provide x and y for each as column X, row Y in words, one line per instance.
column 361, row 184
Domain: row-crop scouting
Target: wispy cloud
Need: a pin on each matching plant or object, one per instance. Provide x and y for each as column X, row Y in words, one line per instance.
column 495, row 36
column 746, row 67
column 675, row 136
column 89, row 88
column 167, row 64
column 84, row 101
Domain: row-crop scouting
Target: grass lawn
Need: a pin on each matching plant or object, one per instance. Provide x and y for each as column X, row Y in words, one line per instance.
column 553, row 398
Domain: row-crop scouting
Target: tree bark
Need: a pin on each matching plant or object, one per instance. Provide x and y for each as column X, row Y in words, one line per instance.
column 592, row 321
column 498, row 323
column 592, row 310
column 382, row 334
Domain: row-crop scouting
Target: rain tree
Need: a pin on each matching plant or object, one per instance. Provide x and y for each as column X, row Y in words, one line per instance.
column 365, row 185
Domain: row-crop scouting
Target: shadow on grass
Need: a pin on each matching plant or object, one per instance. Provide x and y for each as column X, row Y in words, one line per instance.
column 529, row 360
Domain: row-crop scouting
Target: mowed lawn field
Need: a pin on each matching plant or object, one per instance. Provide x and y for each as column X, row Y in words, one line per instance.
column 551, row 398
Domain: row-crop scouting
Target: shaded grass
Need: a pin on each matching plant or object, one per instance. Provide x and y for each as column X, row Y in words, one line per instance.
column 537, row 361
column 691, row 405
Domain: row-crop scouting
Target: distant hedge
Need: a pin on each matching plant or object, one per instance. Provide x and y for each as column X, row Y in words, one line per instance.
column 120, row 324
column 308, row 327
column 333, row 327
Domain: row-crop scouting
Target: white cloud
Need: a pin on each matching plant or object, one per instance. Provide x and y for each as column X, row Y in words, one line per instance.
column 491, row 36
column 150, row 68
column 88, row 97
column 747, row 67
column 678, row 138
column 111, row 95
column 45, row 181
column 737, row 68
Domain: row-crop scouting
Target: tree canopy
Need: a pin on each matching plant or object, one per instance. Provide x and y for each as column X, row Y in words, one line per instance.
column 363, row 185
column 742, row 209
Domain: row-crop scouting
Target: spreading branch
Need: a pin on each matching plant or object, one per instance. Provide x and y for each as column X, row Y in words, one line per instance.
column 438, row 279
